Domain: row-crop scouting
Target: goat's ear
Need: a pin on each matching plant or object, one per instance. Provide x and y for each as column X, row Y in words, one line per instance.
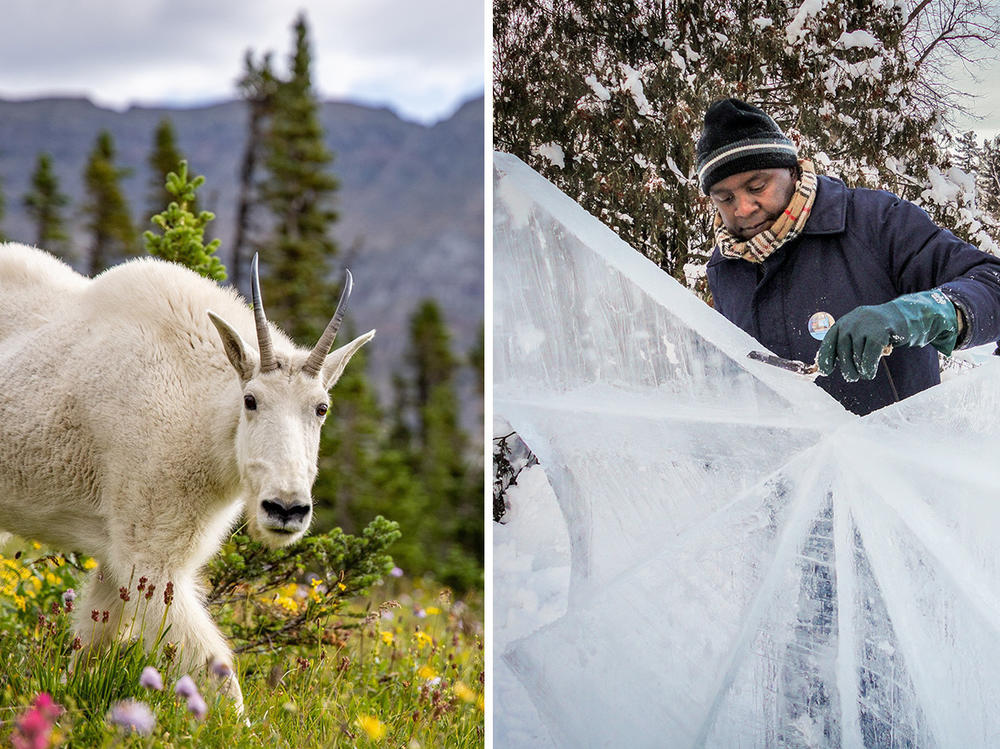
column 237, row 351
column 337, row 359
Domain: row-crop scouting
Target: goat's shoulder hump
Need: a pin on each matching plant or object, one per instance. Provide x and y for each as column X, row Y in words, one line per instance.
column 21, row 265
column 152, row 289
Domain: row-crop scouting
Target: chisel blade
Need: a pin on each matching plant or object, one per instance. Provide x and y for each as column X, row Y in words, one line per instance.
column 790, row 365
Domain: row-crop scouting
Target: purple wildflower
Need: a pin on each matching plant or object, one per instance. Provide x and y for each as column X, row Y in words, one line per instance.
column 133, row 715
column 150, row 679
column 69, row 595
column 185, row 686
column 221, row 669
column 197, row 706
column 396, row 572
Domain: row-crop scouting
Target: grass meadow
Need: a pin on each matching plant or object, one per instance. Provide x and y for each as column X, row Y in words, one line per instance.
column 398, row 663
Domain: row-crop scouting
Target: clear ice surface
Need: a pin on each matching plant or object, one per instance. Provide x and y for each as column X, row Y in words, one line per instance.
column 750, row 564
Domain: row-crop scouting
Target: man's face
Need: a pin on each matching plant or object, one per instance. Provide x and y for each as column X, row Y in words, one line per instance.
column 749, row 202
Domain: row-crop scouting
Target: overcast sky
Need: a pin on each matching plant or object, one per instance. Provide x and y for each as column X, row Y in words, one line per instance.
column 420, row 57
column 985, row 106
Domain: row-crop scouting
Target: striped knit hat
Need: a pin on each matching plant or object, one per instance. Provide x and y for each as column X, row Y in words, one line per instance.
column 737, row 138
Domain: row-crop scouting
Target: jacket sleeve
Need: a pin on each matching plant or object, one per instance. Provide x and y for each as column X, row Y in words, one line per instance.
column 924, row 256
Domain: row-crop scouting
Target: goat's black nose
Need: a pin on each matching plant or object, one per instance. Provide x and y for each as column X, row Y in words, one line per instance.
column 285, row 513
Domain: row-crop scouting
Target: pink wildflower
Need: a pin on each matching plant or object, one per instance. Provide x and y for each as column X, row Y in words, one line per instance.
column 34, row 728
column 47, row 706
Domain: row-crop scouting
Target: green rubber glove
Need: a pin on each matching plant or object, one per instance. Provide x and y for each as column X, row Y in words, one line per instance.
column 857, row 340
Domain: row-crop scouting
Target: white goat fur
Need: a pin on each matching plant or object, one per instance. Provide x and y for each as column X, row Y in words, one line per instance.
column 124, row 433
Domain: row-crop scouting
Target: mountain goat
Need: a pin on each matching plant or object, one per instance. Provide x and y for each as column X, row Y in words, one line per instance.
column 136, row 423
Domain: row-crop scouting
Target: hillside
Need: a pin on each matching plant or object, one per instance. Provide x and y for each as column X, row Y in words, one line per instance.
column 410, row 199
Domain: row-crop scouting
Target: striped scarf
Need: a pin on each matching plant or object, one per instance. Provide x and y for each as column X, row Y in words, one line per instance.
column 787, row 226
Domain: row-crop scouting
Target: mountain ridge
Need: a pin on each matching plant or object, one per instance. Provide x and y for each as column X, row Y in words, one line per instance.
column 410, row 201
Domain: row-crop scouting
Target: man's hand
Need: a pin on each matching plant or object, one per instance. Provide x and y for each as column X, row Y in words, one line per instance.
column 856, row 341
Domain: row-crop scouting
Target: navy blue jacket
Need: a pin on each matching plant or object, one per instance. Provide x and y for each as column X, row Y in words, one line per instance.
column 859, row 247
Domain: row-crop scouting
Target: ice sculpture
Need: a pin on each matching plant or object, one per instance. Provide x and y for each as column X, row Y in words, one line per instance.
column 751, row 565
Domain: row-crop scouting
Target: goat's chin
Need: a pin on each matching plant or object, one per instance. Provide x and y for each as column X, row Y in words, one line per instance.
column 271, row 538
column 276, row 540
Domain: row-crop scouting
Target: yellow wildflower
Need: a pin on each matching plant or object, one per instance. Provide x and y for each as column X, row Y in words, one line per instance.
column 372, row 726
column 481, row 704
column 423, row 639
column 52, row 579
column 90, row 563
column 431, row 610
column 35, row 545
column 342, row 586
column 387, row 637
column 287, row 603
column 426, row 672
column 19, row 602
column 463, row 692
column 315, row 581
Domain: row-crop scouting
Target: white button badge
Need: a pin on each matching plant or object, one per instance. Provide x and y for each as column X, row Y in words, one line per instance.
column 819, row 323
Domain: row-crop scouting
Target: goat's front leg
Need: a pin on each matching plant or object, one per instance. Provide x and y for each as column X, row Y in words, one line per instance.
column 98, row 611
column 167, row 603
column 200, row 644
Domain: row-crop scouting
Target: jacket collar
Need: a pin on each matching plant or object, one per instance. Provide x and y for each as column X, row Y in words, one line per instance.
column 829, row 211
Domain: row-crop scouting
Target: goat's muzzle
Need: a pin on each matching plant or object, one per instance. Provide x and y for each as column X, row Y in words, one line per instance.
column 285, row 517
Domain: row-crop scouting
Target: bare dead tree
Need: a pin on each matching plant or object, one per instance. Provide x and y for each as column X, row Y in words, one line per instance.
column 943, row 34
column 257, row 87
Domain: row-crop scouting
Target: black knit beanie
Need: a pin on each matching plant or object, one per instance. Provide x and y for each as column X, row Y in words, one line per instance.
column 737, row 138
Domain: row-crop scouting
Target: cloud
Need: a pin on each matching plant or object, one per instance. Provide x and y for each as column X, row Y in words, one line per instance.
column 420, row 58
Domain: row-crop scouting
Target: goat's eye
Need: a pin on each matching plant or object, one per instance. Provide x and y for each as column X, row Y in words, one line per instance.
column 321, row 409
column 250, row 402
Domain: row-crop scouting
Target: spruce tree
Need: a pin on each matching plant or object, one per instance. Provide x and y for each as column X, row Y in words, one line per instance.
column 113, row 235
column 477, row 361
column 351, row 440
column 183, row 230
column 441, row 450
column 164, row 158
column 298, row 193
column 361, row 476
column 355, row 480
column 988, row 183
column 44, row 204
column 967, row 152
